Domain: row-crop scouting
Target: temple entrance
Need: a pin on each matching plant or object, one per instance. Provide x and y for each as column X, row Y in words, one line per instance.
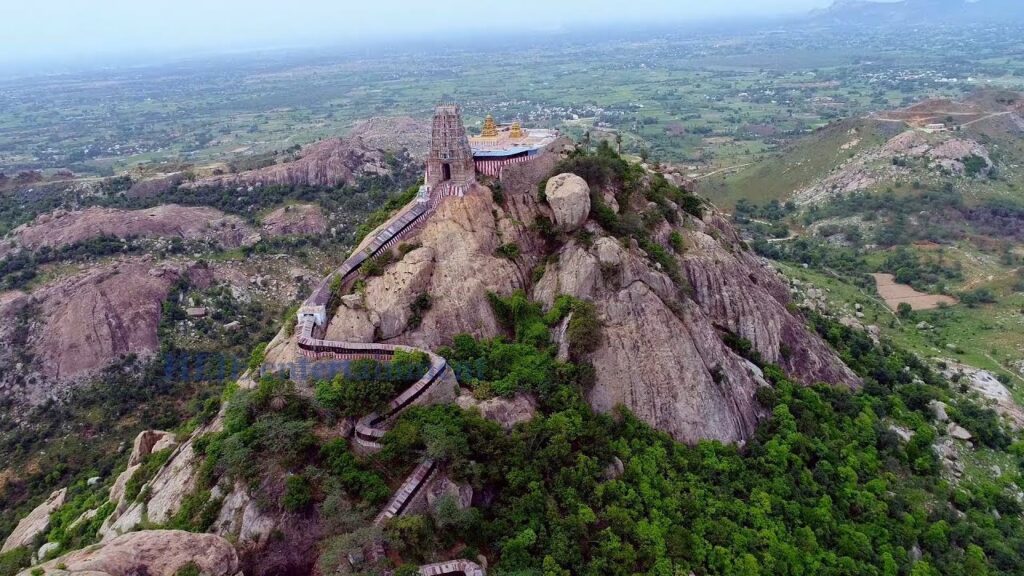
column 446, row 172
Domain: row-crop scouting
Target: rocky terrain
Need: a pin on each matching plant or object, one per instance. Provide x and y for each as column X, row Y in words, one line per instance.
column 295, row 219
column 940, row 152
column 331, row 162
column 155, row 552
column 68, row 329
column 395, row 133
column 662, row 351
column 81, row 323
column 662, row 354
column 63, row 228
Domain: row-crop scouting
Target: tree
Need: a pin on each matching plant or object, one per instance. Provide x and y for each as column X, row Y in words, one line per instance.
column 904, row 310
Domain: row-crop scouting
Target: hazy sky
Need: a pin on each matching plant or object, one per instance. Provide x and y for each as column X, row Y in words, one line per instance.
column 46, row 29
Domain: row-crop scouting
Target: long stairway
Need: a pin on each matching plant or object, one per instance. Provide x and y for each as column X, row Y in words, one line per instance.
column 371, row 428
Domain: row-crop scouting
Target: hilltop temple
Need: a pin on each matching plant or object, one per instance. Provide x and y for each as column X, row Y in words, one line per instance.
column 455, row 157
column 453, row 163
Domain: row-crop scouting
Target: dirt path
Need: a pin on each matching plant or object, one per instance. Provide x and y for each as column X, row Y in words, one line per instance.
column 986, row 118
column 720, row 170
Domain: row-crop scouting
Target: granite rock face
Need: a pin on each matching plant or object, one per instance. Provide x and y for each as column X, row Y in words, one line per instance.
column 36, row 523
column 662, row 352
column 63, row 228
column 295, row 220
column 748, row 298
column 153, row 552
column 331, row 162
column 456, row 266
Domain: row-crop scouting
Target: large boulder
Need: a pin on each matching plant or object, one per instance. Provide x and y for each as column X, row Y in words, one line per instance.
column 152, row 552
column 569, row 198
column 37, row 522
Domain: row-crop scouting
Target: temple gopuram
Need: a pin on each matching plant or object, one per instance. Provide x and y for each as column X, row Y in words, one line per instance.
column 455, row 158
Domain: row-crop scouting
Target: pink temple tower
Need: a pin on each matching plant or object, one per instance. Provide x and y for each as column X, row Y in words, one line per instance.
column 451, row 159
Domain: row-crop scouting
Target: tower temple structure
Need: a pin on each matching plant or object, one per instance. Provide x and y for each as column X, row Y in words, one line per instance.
column 451, row 159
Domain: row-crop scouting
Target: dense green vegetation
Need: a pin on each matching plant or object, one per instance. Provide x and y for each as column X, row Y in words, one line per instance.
column 367, row 385
column 948, row 216
column 66, row 443
column 824, row 487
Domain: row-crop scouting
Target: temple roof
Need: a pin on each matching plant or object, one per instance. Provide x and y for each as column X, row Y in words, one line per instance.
column 504, row 145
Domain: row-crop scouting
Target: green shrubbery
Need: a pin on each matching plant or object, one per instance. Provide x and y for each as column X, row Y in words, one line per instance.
column 81, row 498
column 150, row 465
column 380, row 216
column 378, row 264
column 606, row 170
column 14, row 561
column 824, row 487
column 298, row 494
column 369, row 385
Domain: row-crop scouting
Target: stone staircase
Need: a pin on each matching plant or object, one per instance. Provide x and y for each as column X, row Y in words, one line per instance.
column 370, row 429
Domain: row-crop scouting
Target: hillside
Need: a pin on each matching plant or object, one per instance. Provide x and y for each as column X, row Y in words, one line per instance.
column 919, row 208
column 573, row 322
column 926, row 143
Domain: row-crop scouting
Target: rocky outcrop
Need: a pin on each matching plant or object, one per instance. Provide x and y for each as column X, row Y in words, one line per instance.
column 505, row 411
column 152, row 552
column 37, row 522
column 569, row 198
column 242, row 520
column 200, row 223
column 331, row 162
column 885, row 163
column 443, row 487
column 456, row 265
column 662, row 352
column 116, row 309
column 81, row 323
column 122, row 518
column 395, row 133
column 295, row 220
column 988, row 386
column 165, row 493
column 746, row 297
column 388, row 299
column 671, row 369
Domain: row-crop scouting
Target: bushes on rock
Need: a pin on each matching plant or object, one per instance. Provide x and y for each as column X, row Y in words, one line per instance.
column 419, row 308
column 298, row 494
column 14, row 561
column 150, row 465
column 367, row 385
column 584, row 331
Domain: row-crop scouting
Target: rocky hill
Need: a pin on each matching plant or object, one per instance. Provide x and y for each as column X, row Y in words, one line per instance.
column 395, row 133
column 63, row 228
column 663, row 353
column 682, row 308
column 332, row 162
column 973, row 145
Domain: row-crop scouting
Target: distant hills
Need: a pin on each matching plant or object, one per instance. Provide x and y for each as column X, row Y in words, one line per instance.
column 920, row 11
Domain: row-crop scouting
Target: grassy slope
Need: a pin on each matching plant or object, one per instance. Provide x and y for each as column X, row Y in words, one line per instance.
column 795, row 166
